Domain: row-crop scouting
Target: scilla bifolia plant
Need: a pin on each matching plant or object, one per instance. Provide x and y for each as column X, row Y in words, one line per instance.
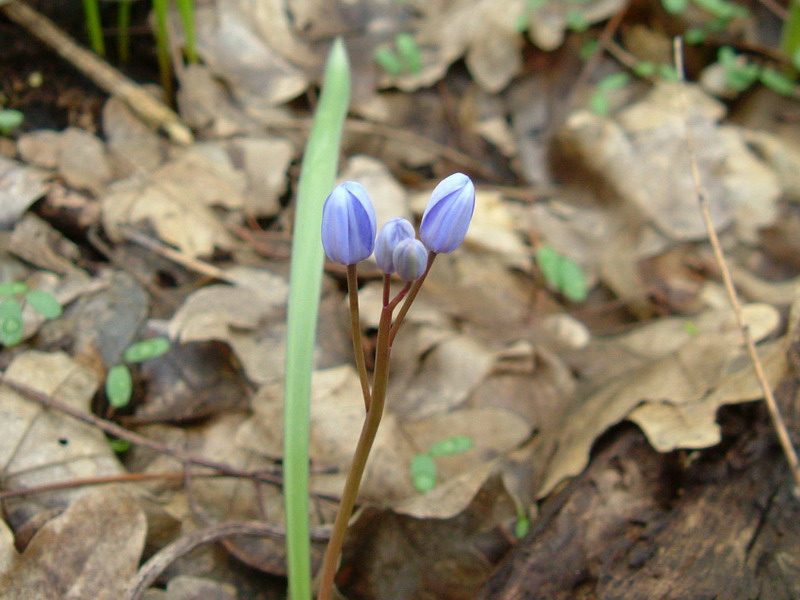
column 348, row 237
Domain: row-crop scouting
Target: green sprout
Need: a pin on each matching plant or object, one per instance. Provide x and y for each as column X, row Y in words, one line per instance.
column 423, row 466
column 161, row 9
column 741, row 73
column 562, row 273
column 404, row 58
column 523, row 524
column 599, row 100
column 119, row 381
column 10, row 119
column 317, row 176
column 14, row 295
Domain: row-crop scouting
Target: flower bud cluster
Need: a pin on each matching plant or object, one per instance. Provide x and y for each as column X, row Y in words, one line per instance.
column 349, row 227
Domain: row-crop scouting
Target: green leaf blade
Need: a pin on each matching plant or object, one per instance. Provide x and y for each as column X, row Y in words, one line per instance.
column 44, row 303
column 423, row 473
column 119, row 386
column 146, row 350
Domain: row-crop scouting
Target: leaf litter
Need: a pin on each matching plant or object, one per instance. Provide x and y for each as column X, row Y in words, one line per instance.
column 489, row 352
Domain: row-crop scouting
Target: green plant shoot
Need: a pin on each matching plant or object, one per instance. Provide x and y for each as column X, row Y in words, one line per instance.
column 317, row 176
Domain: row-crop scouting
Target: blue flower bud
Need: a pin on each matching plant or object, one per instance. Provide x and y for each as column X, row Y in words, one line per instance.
column 348, row 224
column 392, row 233
column 447, row 216
column 410, row 259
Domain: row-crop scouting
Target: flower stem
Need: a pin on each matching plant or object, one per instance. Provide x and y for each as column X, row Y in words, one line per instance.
column 410, row 298
column 368, row 432
column 355, row 326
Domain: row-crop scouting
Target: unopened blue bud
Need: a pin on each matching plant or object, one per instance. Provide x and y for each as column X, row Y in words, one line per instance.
column 410, row 259
column 391, row 234
column 447, row 216
column 348, row 224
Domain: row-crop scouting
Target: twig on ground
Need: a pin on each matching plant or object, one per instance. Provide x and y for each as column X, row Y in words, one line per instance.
column 84, row 481
column 150, row 109
column 772, row 406
column 135, row 438
column 156, row 565
column 400, row 136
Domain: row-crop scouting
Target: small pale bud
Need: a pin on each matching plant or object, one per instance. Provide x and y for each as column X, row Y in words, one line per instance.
column 410, row 259
column 391, row 234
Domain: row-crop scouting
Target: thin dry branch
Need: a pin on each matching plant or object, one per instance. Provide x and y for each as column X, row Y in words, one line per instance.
column 156, row 565
column 772, row 406
column 134, row 438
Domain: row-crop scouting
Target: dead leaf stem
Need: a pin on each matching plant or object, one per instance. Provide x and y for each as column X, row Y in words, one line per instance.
column 135, row 438
column 152, row 569
column 772, row 406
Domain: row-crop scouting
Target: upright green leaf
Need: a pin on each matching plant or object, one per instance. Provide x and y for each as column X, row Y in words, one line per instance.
column 317, row 177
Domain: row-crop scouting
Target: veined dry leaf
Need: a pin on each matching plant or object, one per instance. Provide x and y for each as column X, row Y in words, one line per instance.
column 642, row 155
column 20, row 186
column 40, row 446
column 89, row 551
column 683, row 369
column 177, row 200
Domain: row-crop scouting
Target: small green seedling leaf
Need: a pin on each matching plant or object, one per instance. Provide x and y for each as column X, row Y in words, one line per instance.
column 119, row 446
column 644, row 68
column 452, row 445
column 690, row 327
column 675, row 7
column 615, row 81
column 777, row 82
column 13, row 288
column 10, row 119
column 668, row 73
column 423, row 472
column 44, row 303
column 119, row 386
column 576, row 21
column 589, row 48
column 573, row 280
column 146, row 349
column 694, row 36
column 11, row 326
column 600, row 103
column 522, row 527
column 388, row 61
column 409, row 52
column 549, row 262
column 721, row 9
column 562, row 273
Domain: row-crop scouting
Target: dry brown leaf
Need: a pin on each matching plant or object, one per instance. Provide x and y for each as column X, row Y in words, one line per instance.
column 39, row 446
column 641, row 154
column 237, row 40
column 83, row 161
column 177, row 200
column 681, row 368
column 89, row 551
column 20, row 186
